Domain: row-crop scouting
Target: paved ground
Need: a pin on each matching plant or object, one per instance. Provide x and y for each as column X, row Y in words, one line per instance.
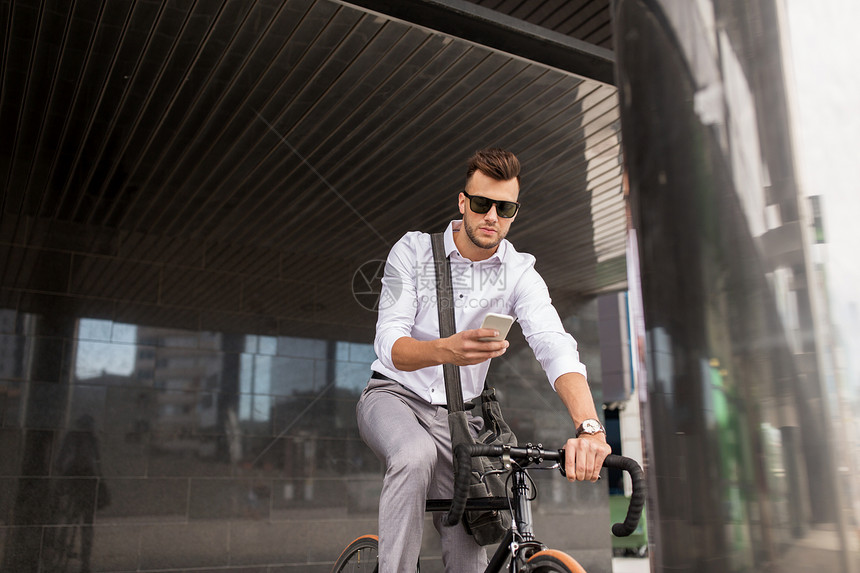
column 630, row 565
column 819, row 551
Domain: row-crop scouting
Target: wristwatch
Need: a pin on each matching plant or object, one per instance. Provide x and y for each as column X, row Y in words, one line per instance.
column 590, row 427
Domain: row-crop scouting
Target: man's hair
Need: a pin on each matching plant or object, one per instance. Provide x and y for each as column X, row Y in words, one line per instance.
column 497, row 163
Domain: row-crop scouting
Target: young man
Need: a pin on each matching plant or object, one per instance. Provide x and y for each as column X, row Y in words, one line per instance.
column 402, row 414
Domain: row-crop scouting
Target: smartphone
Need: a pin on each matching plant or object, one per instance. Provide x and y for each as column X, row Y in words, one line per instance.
column 500, row 322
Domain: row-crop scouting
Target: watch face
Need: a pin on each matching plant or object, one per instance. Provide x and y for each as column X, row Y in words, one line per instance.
column 591, row 427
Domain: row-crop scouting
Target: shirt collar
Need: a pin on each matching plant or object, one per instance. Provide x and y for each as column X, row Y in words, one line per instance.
column 451, row 247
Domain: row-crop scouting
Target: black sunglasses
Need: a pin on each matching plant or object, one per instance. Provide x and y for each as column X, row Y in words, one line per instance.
column 481, row 205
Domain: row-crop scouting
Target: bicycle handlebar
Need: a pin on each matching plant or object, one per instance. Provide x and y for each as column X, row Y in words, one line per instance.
column 637, row 499
column 535, row 454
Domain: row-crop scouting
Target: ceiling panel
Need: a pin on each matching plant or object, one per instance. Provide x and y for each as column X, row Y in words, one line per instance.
column 587, row 20
column 284, row 140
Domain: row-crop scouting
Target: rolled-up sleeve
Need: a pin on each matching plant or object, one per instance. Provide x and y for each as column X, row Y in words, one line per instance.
column 397, row 299
column 554, row 348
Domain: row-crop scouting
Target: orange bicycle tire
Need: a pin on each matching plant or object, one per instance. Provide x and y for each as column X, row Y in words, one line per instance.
column 550, row 560
column 350, row 558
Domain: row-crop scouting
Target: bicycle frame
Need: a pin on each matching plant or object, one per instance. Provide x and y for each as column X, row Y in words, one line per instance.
column 519, row 542
column 519, row 551
column 509, row 549
column 515, row 552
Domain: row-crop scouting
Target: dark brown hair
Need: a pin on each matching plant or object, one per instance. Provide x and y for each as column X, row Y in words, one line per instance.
column 497, row 163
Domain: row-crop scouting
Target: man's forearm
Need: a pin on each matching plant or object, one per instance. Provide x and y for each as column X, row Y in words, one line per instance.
column 409, row 354
column 583, row 456
column 575, row 393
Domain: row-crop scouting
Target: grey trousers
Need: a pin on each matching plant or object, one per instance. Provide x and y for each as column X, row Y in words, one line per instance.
column 412, row 438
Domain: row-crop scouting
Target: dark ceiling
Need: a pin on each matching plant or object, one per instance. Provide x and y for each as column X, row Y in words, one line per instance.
column 205, row 142
column 589, row 21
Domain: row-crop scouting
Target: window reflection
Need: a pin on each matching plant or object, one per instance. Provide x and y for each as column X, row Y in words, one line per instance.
column 256, row 388
column 97, row 355
column 230, row 399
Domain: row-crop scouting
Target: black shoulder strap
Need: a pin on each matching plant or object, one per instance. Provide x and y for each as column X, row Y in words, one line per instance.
column 445, row 306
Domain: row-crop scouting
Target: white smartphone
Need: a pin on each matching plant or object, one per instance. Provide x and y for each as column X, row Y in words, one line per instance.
column 500, row 322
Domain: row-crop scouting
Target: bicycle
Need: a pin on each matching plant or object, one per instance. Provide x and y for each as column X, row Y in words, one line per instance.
column 70, row 536
column 520, row 550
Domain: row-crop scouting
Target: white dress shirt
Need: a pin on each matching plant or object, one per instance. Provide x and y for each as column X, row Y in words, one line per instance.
column 506, row 283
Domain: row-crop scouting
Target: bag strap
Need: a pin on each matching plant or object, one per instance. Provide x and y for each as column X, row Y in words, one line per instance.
column 447, row 327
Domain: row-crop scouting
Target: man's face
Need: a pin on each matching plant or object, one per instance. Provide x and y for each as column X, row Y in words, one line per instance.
column 487, row 230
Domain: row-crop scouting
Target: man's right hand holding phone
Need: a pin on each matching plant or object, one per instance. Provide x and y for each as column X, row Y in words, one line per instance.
column 462, row 349
column 466, row 347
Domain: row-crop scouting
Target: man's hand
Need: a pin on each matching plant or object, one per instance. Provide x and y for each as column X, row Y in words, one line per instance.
column 466, row 348
column 462, row 349
column 584, row 457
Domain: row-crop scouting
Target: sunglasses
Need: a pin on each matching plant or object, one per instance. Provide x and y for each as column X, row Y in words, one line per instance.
column 481, row 205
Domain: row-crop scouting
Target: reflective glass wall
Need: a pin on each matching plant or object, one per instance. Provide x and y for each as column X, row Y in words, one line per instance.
column 133, row 447
column 745, row 405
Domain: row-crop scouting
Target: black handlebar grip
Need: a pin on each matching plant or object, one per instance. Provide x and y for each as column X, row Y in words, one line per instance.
column 462, row 477
column 637, row 500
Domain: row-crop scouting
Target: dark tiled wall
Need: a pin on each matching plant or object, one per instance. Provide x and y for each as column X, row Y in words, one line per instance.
column 201, row 439
column 219, row 449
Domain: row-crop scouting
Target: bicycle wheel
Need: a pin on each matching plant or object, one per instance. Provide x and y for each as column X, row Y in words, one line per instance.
column 550, row 560
column 362, row 555
column 60, row 541
column 58, row 549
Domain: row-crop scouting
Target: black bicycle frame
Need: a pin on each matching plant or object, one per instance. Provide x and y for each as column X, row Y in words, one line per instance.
column 521, row 524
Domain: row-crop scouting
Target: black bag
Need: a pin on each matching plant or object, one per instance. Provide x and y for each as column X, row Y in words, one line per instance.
column 488, row 526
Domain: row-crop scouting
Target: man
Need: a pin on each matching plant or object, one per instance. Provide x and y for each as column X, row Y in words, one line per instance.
column 402, row 414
